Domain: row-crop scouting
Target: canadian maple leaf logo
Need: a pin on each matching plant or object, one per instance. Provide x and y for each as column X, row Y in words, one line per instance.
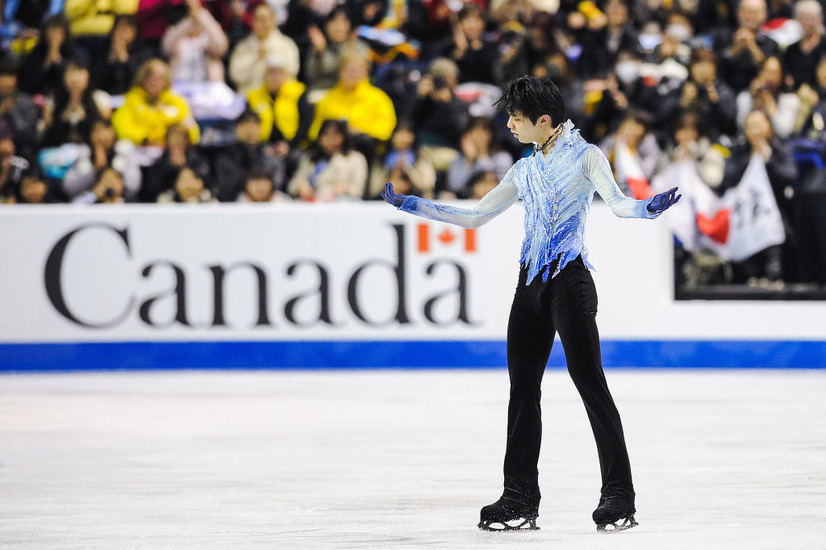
column 446, row 237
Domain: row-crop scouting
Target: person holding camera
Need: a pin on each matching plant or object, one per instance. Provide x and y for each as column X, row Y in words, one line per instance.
column 769, row 93
column 703, row 93
column 439, row 116
column 12, row 165
column 109, row 189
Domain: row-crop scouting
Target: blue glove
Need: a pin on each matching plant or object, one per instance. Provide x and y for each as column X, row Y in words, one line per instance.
column 391, row 196
column 663, row 201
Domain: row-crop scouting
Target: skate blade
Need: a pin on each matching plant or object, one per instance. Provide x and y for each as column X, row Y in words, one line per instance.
column 519, row 524
column 627, row 523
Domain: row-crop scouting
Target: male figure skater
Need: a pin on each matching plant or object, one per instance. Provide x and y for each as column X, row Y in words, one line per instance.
column 555, row 293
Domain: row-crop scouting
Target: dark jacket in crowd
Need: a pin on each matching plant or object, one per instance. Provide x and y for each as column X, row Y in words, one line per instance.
column 22, row 119
column 607, row 114
column 63, row 130
column 160, row 176
column 439, row 124
column 780, row 167
column 719, row 118
column 738, row 71
column 115, row 77
column 478, row 65
column 801, row 66
column 37, row 79
column 234, row 163
column 597, row 58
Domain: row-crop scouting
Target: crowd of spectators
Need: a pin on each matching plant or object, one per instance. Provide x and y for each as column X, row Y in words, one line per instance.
column 188, row 101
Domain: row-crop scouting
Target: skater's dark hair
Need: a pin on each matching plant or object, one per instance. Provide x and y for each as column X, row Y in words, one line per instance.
column 533, row 97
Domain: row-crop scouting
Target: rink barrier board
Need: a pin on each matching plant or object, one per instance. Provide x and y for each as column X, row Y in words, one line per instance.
column 355, row 355
column 109, row 289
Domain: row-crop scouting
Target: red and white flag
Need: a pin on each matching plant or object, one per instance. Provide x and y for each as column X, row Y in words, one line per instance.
column 755, row 223
column 629, row 172
column 682, row 216
column 444, row 236
column 741, row 223
column 783, row 30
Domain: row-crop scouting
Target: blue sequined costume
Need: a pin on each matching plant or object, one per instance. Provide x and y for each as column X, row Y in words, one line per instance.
column 556, row 190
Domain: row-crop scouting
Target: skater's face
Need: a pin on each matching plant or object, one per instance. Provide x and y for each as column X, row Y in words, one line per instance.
column 526, row 131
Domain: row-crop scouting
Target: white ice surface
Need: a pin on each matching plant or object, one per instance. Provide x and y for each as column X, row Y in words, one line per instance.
column 400, row 459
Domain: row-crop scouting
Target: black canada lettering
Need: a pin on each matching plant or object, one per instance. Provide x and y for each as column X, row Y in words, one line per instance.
column 52, row 275
column 461, row 292
column 179, row 293
column 218, row 276
column 398, row 270
column 322, row 291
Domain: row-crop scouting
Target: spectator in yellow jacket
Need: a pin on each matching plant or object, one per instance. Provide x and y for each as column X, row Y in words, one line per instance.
column 150, row 107
column 96, row 17
column 282, row 104
column 91, row 21
column 366, row 108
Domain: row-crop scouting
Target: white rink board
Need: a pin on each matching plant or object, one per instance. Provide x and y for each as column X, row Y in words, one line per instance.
column 107, row 278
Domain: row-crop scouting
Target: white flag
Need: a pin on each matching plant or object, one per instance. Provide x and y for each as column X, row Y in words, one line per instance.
column 741, row 223
column 629, row 172
column 755, row 218
column 681, row 217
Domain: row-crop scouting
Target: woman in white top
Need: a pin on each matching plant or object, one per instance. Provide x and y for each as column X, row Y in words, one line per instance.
column 196, row 46
column 768, row 93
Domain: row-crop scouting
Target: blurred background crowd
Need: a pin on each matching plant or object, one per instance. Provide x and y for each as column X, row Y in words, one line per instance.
column 202, row 101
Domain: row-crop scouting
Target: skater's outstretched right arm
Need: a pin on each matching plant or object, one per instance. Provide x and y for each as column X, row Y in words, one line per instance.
column 491, row 205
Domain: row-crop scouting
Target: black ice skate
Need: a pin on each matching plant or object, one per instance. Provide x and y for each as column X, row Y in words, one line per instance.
column 614, row 515
column 509, row 514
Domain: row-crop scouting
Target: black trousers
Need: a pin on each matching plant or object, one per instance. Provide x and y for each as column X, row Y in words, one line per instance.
column 566, row 304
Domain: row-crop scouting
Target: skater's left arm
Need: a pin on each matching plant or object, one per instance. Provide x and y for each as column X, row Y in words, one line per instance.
column 598, row 172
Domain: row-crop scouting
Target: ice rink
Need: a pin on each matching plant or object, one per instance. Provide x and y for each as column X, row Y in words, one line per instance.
column 400, row 459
